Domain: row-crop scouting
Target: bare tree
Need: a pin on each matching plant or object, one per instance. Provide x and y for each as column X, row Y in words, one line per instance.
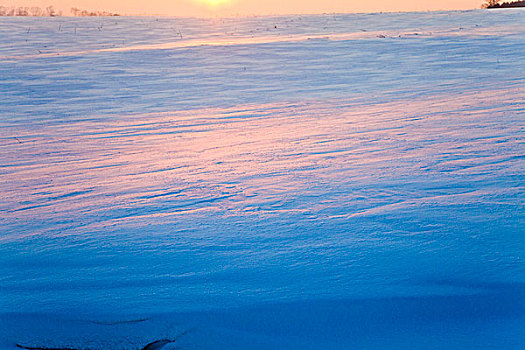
column 50, row 10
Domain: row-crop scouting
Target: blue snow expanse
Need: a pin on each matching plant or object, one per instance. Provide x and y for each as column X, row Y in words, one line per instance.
column 302, row 182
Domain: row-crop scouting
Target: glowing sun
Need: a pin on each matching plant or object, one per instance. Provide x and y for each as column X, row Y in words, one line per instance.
column 214, row 3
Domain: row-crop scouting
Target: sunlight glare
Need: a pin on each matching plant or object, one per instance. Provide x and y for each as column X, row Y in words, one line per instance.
column 213, row 3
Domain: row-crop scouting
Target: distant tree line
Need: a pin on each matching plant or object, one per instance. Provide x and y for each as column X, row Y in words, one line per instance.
column 84, row 13
column 49, row 11
column 29, row 11
column 495, row 4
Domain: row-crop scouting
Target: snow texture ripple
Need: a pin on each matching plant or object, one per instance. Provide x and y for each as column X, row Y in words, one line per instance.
column 315, row 182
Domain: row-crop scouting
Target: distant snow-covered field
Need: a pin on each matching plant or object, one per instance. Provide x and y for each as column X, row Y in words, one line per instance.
column 303, row 182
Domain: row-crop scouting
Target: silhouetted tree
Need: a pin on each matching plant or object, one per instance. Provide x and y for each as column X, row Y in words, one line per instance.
column 498, row 4
column 490, row 3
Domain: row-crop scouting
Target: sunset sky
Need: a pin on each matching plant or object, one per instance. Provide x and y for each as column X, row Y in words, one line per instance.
column 207, row 8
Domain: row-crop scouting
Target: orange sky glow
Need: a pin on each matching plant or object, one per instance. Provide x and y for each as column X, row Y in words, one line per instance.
column 218, row 8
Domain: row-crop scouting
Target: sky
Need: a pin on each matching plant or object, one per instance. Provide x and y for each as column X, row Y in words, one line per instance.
column 218, row 8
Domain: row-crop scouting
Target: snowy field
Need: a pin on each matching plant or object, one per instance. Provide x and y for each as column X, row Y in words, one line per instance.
column 302, row 182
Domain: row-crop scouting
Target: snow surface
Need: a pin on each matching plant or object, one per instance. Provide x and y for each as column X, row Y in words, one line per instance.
column 303, row 182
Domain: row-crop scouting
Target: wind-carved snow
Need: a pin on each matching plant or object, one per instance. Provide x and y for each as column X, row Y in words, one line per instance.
column 314, row 182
